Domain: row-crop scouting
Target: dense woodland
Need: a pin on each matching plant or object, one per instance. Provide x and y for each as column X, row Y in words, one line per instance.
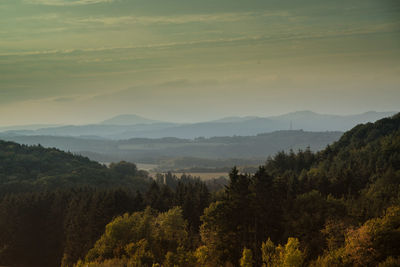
column 337, row 207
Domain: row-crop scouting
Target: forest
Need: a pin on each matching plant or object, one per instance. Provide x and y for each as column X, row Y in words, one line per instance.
column 336, row 207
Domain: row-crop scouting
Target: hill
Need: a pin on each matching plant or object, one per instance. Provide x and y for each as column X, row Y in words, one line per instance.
column 236, row 119
column 336, row 207
column 128, row 119
column 305, row 120
column 35, row 168
column 26, row 127
column 145, row 150
column 302, row 120
column 312, row 121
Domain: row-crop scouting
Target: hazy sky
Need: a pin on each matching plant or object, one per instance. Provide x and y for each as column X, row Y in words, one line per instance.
column 78, row 61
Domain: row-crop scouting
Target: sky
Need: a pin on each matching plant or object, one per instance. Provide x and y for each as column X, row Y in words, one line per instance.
column 83, row 61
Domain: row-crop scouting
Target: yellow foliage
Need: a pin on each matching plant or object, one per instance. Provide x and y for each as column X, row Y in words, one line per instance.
column 278, row 256
column 247, row 258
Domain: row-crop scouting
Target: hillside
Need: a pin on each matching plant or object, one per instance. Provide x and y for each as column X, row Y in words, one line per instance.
column 128, row 119
column 145, row 150
column 30, row 168
column 336, row 207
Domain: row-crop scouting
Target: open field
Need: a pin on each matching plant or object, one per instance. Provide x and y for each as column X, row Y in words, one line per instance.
column 146, row 167
column 202, row 175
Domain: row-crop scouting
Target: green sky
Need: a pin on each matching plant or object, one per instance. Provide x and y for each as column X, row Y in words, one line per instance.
column 79, row 61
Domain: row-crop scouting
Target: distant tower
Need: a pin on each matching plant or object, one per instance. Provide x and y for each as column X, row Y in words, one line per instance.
column 291, row 126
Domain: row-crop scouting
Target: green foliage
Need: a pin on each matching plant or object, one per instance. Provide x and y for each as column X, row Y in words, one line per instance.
column 307, row 216
column 331, row 201
column 216, row 234
column 71, row 221
column 34, row 168
column 63, row 225
column 297, row 194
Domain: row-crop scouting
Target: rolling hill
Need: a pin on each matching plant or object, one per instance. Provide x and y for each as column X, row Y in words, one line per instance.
column 144, row 128
column 201, row 151
column 128, row 119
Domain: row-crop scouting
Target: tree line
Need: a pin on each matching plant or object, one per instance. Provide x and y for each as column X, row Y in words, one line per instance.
column 336, row 207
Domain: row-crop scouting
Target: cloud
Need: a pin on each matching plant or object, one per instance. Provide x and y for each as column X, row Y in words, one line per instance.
column 182, row 19
column 149, row 20
column 66, row 2
column 290, row 35
column 156, row 45
column 64, row 99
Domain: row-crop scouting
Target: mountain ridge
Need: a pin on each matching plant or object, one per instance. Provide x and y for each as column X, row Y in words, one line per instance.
column 128, row 119
column 228, row 126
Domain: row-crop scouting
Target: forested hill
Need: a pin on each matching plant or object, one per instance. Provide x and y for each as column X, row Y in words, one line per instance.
column 348, row 165
column 336, row 207
column 154, row 151
column 361, row 156
column 369, row 134
column 30, row 168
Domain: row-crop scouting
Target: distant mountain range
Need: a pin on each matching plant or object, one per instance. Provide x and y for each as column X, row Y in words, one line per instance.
column 128, row 119
column 133, row 126
column 26, row 127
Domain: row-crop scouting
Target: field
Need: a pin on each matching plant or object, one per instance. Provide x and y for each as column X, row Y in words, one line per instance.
column 204, row 175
